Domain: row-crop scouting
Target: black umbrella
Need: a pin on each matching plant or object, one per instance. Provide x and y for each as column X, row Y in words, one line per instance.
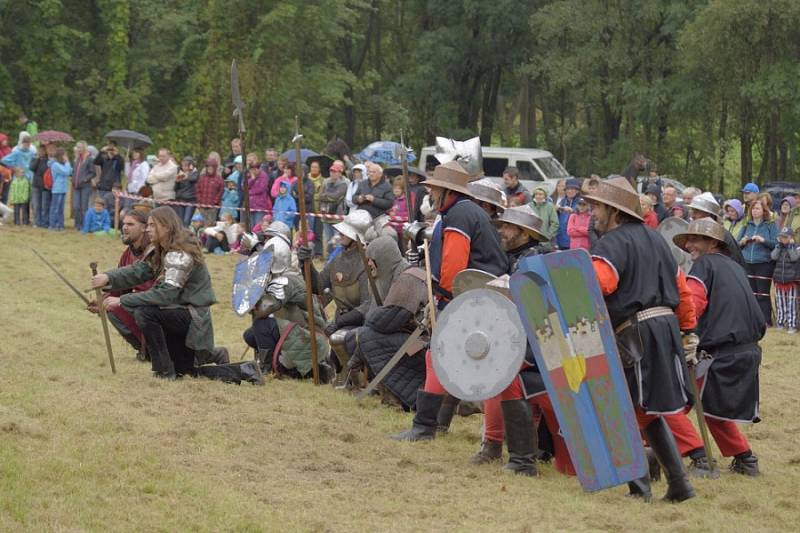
column 129, row 139
column 397, row 170
column 324, row 161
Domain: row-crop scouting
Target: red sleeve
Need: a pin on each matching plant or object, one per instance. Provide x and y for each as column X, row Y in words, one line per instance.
column 606, row 275
column 699, row 295
column 455, row 257
column 686, row 310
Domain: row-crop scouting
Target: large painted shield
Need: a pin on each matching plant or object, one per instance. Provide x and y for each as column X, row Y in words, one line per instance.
column 670, row 227
column 478, row 345
column 570, row 334
column 250, row 279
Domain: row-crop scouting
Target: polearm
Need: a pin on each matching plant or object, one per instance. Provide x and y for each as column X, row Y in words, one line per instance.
column 312, row 326
column 103, row 319
column 238, row 111
column 62, row 278
column 403, row 156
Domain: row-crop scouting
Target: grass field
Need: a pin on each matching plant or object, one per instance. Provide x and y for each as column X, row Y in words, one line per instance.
column 82, row 450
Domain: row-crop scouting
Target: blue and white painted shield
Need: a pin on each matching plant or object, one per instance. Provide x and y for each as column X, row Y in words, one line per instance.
column 250, row 279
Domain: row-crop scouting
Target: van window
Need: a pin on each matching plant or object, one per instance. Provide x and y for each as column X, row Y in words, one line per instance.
column 527, row 171
column 494, row 166
column 552, row 168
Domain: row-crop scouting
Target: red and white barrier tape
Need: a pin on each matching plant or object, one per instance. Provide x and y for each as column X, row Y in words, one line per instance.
column 209, row 206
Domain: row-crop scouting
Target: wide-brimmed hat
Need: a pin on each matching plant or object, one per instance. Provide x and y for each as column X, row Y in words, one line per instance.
column 703, row 227
column 706, row 203
column 451, row 176
column 523, row 217
column 488, row 191
column 614, row 192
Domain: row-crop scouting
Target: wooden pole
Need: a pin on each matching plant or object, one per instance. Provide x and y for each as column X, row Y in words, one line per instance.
column 429, row 283
column 312, row 326
column 103, row 319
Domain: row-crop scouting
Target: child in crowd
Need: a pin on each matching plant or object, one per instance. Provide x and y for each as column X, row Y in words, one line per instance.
column 578, row 226
column 97, row 220
column 223, row 237
column 399, row 209
column 785, row 276
column 196, row 226
column 61, row 169
column 20, row 196
column 284, row 207
column 230, row 198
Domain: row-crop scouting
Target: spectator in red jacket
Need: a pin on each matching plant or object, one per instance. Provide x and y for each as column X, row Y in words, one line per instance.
column 578, row 226
column 209, row 190
column 649, row 215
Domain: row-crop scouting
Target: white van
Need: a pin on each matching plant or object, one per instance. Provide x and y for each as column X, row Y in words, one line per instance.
column 537, row 168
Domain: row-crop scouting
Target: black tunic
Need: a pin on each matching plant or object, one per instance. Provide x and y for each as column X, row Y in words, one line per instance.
column 729, row 330
column 647, row 271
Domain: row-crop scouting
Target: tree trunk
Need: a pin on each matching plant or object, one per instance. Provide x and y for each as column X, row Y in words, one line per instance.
column 746, row 145
column 489, row 107
column 350, row 118
column 718, row 179
column 524, row 112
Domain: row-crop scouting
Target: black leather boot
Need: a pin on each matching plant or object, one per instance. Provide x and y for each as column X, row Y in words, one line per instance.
column 490, row 452
column 745, row 464
column 663, row 444
column 520, row 437
column 446, row 412
column 424, row 425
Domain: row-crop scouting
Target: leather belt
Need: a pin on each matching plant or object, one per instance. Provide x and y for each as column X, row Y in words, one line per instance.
column 647, row 314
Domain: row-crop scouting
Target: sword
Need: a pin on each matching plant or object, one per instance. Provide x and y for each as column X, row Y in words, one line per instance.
column 104, row 319
column 701, row 421
column 62, row 278
column 391, row 364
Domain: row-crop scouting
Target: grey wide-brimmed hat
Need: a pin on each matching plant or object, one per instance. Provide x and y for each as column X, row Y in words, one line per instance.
column 706, row 203
column 525, row 218
column 488, row 191
column 451, row 176
column 614, row 192
column 703, row 227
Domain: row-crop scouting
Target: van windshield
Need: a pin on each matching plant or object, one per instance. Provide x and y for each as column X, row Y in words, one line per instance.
column 552, row 168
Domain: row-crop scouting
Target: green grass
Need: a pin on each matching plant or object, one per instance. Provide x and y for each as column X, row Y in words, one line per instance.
column 84, row 450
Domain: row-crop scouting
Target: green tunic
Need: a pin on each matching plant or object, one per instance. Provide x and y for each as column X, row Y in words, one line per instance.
column 196, row 295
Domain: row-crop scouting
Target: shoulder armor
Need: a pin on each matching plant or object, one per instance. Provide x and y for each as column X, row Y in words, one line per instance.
column 177, row 267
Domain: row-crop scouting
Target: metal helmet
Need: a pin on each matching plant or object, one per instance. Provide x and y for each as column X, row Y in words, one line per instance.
column 488, row 191
column 280, row 229
column 706, row 203
column 703, row 227
column 467, row 153
column 354, row 225
column 524, row 217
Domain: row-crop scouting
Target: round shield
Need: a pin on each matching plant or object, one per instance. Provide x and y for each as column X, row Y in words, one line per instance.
column 478, row 345
column 670, row 227
column 470, row 278
column 250, row 279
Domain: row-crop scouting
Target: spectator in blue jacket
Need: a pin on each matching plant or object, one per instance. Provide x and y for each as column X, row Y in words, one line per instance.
column 97, row 220
column 61, row 169
column 566, row 206
column 284, row 207
column 757, row 239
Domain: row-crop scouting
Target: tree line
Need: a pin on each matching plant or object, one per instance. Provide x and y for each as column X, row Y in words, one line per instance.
column 707, row 89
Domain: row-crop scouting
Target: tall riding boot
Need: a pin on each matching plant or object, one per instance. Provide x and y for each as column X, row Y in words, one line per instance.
column 520, row 437
column 663, row 444
column 446, row 412
column 424, row 425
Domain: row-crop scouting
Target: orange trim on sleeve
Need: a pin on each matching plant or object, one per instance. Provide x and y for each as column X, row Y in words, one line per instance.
column 455, row 258
column 686, row 312
column 699, row 295
column 606, row 276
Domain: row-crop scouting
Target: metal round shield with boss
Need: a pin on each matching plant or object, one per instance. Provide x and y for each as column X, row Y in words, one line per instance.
column 250, row 280
column 478, row 345
column 670, row 227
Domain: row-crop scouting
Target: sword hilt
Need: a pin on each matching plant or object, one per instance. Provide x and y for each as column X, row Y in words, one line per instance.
column 93, row 266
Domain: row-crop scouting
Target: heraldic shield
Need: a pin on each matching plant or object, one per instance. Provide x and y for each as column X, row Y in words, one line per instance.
column 569, row 331
column 250, row 278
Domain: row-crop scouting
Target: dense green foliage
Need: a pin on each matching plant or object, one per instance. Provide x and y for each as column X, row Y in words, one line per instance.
column 707, row 89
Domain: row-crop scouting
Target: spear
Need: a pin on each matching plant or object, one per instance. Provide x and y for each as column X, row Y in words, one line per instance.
column 312, row 326
column 238, row 111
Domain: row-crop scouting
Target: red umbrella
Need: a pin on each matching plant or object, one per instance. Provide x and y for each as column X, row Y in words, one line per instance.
column 52, row 136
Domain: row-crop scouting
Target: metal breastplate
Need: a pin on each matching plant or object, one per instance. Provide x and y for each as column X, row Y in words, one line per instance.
column 344, row 272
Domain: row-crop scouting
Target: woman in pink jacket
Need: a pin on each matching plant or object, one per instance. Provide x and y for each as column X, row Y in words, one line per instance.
column 286, row 177
column 578, row 226
column 257, row 183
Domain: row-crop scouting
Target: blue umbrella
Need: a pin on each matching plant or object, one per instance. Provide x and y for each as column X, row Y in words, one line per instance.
column 304, row 154
column 384, row 153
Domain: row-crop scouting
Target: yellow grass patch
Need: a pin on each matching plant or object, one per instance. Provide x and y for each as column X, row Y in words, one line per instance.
column 81, row 449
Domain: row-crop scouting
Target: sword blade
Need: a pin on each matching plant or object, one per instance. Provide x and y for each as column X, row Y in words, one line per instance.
column 61, row 277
